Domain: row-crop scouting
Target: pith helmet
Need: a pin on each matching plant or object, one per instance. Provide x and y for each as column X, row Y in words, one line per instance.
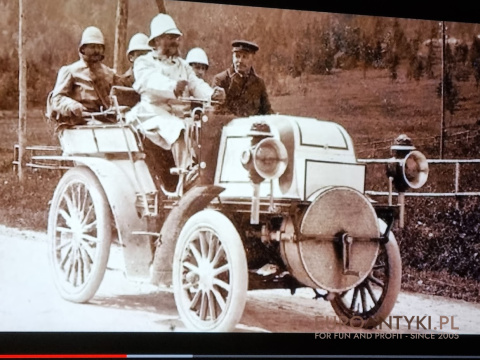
column 92, row 35
column 162, row 24
column 138, row 42
column 197, row 55
column 402, row 142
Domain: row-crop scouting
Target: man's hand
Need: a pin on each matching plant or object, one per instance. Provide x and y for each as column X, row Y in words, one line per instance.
column 180, row 88
column 218, row 94
column 77, row 109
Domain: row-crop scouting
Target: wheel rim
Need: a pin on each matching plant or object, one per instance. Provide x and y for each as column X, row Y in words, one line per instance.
column 76, row 237
column 206, row 278
column 364, row 300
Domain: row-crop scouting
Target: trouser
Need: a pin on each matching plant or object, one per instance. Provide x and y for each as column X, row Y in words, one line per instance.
column 160, row 161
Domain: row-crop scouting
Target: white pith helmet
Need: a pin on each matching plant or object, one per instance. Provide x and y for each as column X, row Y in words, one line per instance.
column 197, row 55
column 92, row 35
column 162, row 24
column 138, row 42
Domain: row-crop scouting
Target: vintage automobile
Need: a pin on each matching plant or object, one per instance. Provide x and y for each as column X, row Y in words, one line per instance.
column 278, row 202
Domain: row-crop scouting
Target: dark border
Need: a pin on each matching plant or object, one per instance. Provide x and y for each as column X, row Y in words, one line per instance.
column 237, row 345
column 269, row 344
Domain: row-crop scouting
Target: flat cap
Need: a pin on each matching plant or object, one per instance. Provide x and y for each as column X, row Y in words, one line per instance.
column 243, row 45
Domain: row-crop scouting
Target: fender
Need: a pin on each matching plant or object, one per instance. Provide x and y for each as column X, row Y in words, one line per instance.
column 192, row 202
column 121, row 194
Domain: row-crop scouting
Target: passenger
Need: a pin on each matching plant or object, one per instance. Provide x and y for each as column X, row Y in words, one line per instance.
column 137, row 46
column 84, row 85
column 198, row 60
column 246, row 93
column 161, row 78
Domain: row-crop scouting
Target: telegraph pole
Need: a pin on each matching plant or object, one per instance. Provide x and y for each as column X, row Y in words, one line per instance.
column 442, row 125
column 22, row 87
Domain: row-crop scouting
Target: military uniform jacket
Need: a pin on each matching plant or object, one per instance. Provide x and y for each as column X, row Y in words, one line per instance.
column 79, row 83
column 245, row 96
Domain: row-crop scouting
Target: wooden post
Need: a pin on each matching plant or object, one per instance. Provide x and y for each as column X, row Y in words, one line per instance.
column 119, row 57
column 22, row 90
column 442, row 124
column 161, row 6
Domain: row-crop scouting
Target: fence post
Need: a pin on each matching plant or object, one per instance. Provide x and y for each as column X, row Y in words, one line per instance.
column 401, row 202
column 457, row 179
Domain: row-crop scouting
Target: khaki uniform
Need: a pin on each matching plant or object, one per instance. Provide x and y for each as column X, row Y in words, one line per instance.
column 78, row 83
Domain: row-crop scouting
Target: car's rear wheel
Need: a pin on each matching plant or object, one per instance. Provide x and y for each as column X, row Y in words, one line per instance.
column 79, row 233
column 210, row 274
column 370, row 302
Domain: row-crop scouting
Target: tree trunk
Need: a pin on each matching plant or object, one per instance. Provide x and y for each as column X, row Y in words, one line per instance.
column 161, row 6
column 119, row 57
column 22, row 90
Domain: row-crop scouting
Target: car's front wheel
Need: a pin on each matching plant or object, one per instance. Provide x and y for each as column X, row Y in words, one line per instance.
column 210, row 275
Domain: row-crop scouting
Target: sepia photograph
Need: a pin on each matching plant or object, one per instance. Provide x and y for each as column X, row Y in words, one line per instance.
column 204, row 167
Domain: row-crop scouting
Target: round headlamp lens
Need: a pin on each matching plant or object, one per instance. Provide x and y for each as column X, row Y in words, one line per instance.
column 270, row 158
column 415, row 169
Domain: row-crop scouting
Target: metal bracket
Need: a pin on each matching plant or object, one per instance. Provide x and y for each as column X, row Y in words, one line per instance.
column 347, row 242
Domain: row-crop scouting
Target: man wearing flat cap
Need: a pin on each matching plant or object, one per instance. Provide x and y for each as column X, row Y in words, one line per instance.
column 246, row 93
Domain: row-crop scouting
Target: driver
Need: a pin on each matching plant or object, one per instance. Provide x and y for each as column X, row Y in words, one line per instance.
column 83, row 86
column 161, row 78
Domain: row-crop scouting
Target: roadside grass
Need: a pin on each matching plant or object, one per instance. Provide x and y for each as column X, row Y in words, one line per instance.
column 25, row 204
column 439, row 235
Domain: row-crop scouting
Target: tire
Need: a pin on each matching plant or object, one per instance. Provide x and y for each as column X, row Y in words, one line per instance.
column 209, row 301
column 357, row 306
column 79, row 235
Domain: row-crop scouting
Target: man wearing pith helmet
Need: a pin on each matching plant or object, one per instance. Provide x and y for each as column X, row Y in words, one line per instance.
column 246, row 93
column 198, row 60
column 137, row 46
column 84, row 86
column 161, row 78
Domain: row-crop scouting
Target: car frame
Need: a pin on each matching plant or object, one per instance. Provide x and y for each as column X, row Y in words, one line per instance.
column 279, row 202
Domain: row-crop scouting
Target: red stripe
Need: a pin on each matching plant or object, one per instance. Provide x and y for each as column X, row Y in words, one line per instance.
column 64, row 356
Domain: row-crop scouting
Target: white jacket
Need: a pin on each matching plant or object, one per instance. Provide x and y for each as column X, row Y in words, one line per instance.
column 159, row 114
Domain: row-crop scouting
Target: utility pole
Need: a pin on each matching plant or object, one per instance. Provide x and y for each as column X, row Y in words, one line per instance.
column 120, row 36
column 22, row 89
column 442, row 125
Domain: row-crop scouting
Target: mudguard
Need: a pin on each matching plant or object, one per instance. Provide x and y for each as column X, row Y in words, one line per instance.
column 121, row 194
column 192, row 202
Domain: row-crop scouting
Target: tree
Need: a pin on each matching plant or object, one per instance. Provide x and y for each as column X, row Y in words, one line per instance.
column 474, row 56
column 415, row 63
column 161, row 6
column 450, row 91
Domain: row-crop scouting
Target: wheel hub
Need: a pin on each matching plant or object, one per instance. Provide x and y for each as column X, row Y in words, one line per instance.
column 206, row 274
column 77, row 230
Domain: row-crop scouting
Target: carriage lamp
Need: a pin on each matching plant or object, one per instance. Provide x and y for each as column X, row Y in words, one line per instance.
column 270, row 158
column 408, row 169
column 266, row 159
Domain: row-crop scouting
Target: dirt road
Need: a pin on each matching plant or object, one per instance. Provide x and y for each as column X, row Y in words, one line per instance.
column 29, row 302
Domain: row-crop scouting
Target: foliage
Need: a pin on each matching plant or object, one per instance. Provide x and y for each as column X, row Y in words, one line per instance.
column 449, row 91
column 291, row 42
column 327, row 66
